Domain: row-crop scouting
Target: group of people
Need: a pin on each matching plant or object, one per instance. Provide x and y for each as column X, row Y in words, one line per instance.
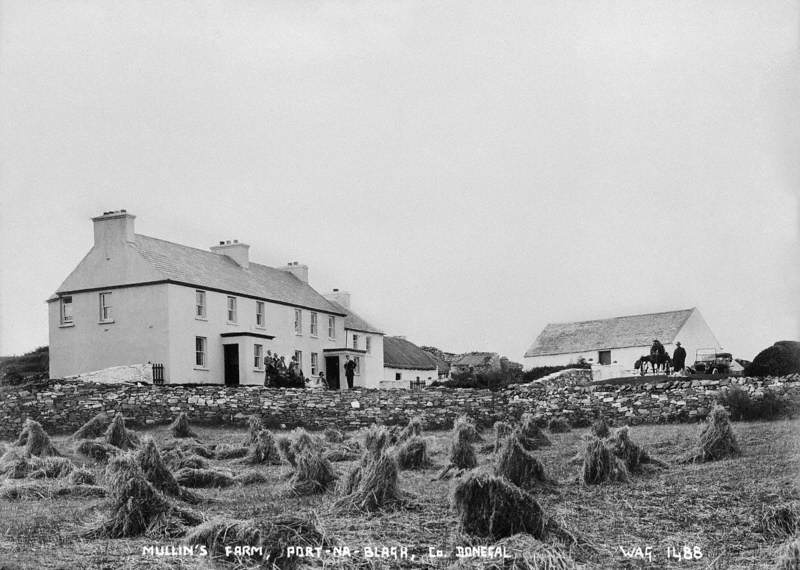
column 678, row 356
column 278, row 374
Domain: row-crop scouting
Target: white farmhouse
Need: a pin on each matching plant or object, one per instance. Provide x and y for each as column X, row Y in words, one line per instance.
column 620, row 340
column 208, row 316
column 362, row 339
column 404, row 362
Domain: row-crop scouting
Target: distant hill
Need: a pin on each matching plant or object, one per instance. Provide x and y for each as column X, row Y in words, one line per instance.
column 33, row 363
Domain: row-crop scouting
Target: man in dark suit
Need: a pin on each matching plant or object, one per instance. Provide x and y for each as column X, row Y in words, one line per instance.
column 679, row 357
column 349, row 371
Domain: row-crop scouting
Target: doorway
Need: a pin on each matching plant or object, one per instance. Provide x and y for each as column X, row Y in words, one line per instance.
column 604, row 357
column 332, row 371
column 231, row 364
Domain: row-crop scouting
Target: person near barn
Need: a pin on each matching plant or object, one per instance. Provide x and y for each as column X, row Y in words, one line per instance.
column 679, row 357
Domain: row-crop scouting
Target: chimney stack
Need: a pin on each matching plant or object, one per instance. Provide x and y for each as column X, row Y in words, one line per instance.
column 341, row 297
column 114, row 227
column 296, row 269
column 238, row 252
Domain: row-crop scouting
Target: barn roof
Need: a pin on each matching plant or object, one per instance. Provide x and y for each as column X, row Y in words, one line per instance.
column 604, row 334
column 353, row 321
column 400, row 353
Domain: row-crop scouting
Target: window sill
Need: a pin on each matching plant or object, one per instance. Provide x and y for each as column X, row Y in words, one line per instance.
column 111, row 322
column 66, row 325
column 314, row 336
column 201, row 368
column 232, row 323
column 201, row 319
column 259, row 370
column 298, row 334
column 260, row 328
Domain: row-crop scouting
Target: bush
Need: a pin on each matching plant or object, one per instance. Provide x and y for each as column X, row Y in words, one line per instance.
column 780, row 359
column 742, row 406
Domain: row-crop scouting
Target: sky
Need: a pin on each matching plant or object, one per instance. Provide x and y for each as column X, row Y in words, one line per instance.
column 469, row 171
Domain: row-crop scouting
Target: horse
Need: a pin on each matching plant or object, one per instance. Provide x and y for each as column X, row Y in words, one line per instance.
column 656, row 360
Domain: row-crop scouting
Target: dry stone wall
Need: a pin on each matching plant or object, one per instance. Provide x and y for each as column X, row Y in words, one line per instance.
column 63, row 406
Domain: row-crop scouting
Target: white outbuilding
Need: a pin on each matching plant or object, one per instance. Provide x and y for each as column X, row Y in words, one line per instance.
column 620, row 340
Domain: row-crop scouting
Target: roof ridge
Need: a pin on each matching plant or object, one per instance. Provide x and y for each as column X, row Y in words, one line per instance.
column 623, row 317
column 209, row 252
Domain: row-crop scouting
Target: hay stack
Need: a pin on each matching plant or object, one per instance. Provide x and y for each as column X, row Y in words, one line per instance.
column 376, row 439
column 263, row 450
column 520, row 466
column 178, row 459
column 97, row 450
column 180, row 427
column 412, row 453
column 314, row 474
column 95, row 427
column 789, row 556
column 118, row 436
column 629, row 452
column 412, row 429
column 467, row 427
column 716, row 439
column 558, row 425
column 273, row 536
column 600, row 464
column 462, row 454
column 158, row 474
column 304, row 441
column 35, row 440
column 600, row 428
column 374, row 487
column 501, row 431
column 492, row 507
column 532, row 436
column 203, row 478
column 333, row 435
column 14, row 464
column 137, row 508
column 286, row 450
column 254, row 425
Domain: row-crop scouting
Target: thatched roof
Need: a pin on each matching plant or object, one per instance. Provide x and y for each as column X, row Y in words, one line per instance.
column 400, row 353
column 604, row 334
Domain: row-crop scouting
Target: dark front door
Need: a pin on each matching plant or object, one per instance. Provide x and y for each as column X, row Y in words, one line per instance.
column 231, row 364
column 332, row 371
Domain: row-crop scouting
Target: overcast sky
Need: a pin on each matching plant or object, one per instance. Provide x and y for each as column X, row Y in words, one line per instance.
column 469, row 171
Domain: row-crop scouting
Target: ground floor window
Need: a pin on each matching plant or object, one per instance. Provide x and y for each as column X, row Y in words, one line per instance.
column 258, row 356
column 298, row 355
column 314, row 363
column 200, row 351
column 604, row 357
column 398, row 375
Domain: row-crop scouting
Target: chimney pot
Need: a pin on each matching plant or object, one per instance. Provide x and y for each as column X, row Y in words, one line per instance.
column 238, row 252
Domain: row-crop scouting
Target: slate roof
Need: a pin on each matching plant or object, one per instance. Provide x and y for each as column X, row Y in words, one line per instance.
column 400, row 353
column 354, row 322
column 474, row 359
column 604, row 334
column 208, row 270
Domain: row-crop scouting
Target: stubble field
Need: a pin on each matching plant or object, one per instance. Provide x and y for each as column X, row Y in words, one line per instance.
column 711, row 508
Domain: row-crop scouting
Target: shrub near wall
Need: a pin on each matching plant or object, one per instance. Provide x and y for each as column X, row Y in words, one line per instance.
column 62, row 407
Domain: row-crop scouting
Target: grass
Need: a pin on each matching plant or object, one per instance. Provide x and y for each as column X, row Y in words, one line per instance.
column 715, row 505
